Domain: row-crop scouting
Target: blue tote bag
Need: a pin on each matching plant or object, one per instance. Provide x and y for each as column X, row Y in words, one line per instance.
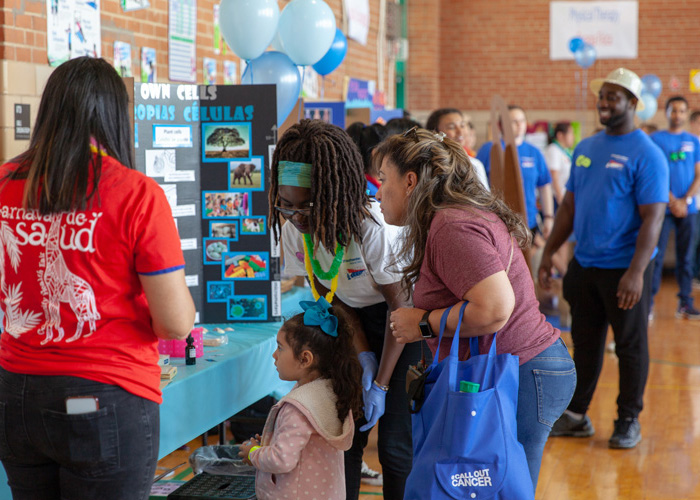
column 465, row 444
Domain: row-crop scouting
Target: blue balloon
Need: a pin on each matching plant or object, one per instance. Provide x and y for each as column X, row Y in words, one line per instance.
column 248, row 26
column 650, row 106
column 575, row 44
column 652, row 84
column 307, row 29
column 276, row 68
column 585, row 56
column 334, row 56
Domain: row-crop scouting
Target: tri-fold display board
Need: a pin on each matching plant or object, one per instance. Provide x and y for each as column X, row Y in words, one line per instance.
column 210, row 147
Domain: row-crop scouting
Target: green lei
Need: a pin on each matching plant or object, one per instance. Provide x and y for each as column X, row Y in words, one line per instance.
column 335, row 266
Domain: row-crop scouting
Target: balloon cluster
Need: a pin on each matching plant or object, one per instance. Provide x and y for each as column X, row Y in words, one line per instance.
column 304, row 34
column 651, row 89
column 584, row 53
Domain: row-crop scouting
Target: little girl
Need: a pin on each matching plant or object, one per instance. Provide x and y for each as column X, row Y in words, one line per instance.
column 300, row 454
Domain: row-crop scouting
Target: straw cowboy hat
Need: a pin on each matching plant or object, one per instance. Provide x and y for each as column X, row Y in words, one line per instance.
column 624, row 78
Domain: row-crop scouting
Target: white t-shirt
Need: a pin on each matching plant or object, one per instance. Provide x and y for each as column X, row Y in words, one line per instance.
column 558, row 160
column 363, row 267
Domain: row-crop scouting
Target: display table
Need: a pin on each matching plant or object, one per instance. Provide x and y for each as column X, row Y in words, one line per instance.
column 224, row 381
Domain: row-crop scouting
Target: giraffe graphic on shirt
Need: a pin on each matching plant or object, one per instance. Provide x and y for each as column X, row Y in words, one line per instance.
column 59, row 284
column 17, row 320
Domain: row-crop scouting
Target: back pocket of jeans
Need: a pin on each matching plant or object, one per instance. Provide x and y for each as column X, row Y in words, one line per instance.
column 86, row 440
column 554, row 392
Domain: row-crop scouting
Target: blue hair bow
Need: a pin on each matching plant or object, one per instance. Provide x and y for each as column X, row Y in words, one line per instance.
column 316, row 314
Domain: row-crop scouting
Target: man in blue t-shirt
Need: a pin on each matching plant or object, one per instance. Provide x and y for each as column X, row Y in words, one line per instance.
column 682, row 151
column 534, row 172
column 615, row 202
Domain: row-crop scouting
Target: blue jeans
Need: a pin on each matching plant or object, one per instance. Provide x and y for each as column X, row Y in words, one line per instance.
column 49, row 454
column 547, row 383
column 685, row 230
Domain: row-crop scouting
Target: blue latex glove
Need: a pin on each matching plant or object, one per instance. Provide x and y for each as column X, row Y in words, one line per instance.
column 375, row 404
column 369, row 370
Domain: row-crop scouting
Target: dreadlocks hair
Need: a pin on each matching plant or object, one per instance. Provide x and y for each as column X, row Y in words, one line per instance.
column 335, row 358
column 338, row 186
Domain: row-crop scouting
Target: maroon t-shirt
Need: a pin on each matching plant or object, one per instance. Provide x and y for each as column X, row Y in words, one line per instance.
column 464, row 247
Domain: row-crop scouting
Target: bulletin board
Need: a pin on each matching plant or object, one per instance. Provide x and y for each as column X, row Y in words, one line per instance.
column 209, row 147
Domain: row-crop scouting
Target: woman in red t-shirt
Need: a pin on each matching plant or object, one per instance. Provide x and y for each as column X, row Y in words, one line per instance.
column 91, row 275
column 463, row 244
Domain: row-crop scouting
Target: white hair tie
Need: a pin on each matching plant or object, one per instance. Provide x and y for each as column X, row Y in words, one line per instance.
column 440, row 136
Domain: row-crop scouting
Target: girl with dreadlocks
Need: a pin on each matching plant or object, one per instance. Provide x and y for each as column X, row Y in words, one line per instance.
column 337, row 238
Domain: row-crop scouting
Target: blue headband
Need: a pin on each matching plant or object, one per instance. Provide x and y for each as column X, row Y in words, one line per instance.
column 316, row 314
column 292, row 173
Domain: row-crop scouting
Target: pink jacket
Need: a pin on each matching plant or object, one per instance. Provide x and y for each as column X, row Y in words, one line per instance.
column 302, row 446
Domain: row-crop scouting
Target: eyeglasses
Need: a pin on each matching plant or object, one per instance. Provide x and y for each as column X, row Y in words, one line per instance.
column 291, row 212
column 412, row 132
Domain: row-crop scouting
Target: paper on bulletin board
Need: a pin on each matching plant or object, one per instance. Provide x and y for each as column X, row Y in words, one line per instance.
column 182, row 40
column 73, row 30
column 610, row 26
column 122, row 58
column 357, row 13
column 695, row 80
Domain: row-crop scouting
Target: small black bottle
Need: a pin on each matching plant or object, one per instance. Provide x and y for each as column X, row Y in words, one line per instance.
column 190, row 351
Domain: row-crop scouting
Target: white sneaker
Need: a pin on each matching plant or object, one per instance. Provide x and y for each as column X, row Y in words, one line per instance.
column 371, row 477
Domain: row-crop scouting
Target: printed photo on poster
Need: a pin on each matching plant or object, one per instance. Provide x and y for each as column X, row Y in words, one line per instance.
column 209, row 70
column 148, row 65
column 223, row 141
column 122, row 58
column 225, row 204
column 248, row 174
column 247, row 307
column 253, row 225
column 224, row 229
column 219, row 291
column 160, row 162
column 214, row 248
column 246, row 266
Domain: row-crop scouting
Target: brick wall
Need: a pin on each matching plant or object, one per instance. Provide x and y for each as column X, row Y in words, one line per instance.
column 24, row 67
column 484, row 47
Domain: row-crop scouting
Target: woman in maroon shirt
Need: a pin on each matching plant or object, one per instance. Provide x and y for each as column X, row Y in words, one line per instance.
column 463, row 244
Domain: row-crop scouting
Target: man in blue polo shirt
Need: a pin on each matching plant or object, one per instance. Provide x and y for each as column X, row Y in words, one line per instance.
column 615, row 202
column 534, row 172
column 682, row 151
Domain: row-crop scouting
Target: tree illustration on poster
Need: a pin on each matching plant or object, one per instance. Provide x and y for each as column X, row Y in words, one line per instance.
column 209, row 147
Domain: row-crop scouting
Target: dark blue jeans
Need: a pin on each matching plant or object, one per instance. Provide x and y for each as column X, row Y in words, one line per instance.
column 394, row 443
column 547, row 383
column 685, row 231
column 48, row 454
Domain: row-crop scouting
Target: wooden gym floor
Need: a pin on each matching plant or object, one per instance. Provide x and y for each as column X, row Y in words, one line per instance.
column 664, row 466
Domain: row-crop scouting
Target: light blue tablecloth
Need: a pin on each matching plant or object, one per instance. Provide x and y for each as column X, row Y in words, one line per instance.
column 224, row 381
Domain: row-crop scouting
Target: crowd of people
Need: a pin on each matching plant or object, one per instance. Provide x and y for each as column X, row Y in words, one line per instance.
column 391, row 225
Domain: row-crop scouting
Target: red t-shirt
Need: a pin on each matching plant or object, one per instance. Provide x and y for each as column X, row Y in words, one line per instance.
column 70, row 290
column 463, row 248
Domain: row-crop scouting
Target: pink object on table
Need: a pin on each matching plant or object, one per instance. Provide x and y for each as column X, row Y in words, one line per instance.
column 176, row 348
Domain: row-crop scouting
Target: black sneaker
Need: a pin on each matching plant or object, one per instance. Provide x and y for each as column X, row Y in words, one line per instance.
column 687, row 312
column 569, row 426
column 627, row 434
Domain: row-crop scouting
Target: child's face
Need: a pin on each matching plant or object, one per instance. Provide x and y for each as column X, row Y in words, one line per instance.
column 288, row 367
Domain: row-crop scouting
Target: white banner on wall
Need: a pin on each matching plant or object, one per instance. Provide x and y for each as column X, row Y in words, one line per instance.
column 357, row 12
column 611, row 27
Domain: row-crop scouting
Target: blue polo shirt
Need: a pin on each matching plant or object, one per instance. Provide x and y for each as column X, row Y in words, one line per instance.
column 682, row 152
column 534, row 172
column 610, row 177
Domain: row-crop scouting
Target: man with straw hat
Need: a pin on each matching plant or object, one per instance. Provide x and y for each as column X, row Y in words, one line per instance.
column 615, row 203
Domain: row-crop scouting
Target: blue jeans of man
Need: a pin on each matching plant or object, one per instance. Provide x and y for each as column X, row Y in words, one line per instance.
column 547, row 383
column 109, row 454
column 685, row 232
column 394, row 442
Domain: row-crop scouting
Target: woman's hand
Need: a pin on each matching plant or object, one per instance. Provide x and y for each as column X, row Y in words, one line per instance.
column 403, row 323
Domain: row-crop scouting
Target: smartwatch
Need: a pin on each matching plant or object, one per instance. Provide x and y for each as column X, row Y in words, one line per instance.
column 424, row 325
column 688, row 200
